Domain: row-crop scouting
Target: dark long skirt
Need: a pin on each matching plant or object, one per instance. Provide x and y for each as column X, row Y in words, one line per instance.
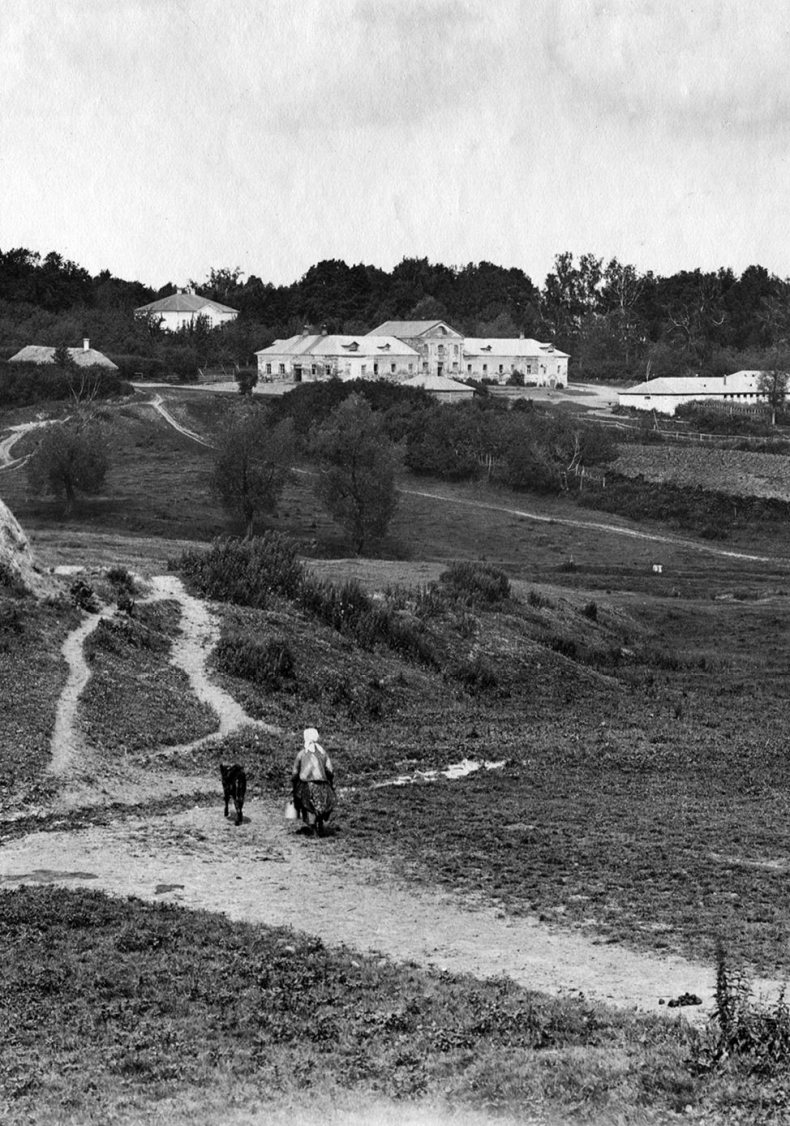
column 315, row 799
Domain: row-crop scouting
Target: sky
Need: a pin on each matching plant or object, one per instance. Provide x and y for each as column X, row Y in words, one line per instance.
column 159, row 139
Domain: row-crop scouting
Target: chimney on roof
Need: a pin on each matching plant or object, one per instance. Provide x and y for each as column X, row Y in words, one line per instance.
column 521, row 336
column 305, row 330
column 86, row 344
column 323, row 330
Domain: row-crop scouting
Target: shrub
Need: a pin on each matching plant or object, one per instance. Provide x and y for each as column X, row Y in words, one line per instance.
column 758, row 1033
column 474, row 672
column 121, row 579
column 565, row 646
column 539, row 601
column 591, row 611
column 10, row 580
column 265, row 662
column 12, row 622
column 118, row 635
column 246, row 572
column 476, row 583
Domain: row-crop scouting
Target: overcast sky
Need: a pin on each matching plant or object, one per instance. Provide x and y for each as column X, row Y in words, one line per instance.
column 160, row 138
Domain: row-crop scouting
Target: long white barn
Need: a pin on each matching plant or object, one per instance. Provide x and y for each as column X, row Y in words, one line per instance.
column 665, row 395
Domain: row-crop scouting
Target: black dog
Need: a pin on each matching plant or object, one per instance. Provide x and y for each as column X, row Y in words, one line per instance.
column 234, row 785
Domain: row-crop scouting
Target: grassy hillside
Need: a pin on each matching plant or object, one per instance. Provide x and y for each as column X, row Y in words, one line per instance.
column 641, row 718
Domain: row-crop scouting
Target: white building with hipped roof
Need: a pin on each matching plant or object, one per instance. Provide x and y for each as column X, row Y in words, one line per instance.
column 311, row 357
column 184, row 308
column 667, row 393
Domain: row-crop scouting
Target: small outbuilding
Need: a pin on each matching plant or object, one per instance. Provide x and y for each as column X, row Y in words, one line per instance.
column 84, row 357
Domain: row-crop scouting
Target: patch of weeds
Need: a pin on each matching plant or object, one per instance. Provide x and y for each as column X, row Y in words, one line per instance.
column 758, row 1035
column 265, row 662
column 10, row 581
column 539, row 601
column 121, row 580
column 12, row 621
column 591, row 611
column 247, row 572
column 83, row 596
column 123, row 632
column 565, row 646
column 476, row 584
column 474, row 672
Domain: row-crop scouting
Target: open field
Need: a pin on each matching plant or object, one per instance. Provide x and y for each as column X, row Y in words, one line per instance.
column 643, row 801
column 738, row 472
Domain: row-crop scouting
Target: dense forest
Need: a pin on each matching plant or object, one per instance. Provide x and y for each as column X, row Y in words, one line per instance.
column 615, row 322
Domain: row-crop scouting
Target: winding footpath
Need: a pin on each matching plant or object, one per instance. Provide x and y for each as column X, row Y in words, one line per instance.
column 265, row 872
column 17, row 432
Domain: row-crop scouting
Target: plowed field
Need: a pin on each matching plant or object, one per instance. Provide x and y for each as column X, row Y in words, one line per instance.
column 737, row 472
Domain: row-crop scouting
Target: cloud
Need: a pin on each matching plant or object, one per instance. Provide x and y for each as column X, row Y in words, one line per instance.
column 707, row 62
column 391, row 64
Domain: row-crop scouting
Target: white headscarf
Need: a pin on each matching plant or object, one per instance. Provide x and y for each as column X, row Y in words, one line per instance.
column 311, row 740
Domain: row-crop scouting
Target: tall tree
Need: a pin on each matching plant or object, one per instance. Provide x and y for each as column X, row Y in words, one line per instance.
column 356, row 484
column 252, row 463
column 72, row 457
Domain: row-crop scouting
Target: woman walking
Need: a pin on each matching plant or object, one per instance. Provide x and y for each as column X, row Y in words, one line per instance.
column 312, row 781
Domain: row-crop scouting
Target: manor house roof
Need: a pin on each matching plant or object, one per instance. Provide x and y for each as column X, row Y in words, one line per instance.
column 509, row 346
column 411, row 328
column 319, row 344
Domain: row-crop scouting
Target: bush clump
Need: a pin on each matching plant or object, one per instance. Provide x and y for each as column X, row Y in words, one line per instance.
column 121, row 580
column 246, row 572
column 474, row 672
column 539, row 601
column 475, row 584
column 263, row 661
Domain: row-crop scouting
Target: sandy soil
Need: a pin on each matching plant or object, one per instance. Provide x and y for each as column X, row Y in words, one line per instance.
column 265, row 871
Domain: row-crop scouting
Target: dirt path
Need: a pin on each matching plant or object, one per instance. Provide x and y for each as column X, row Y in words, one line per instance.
column 266, row 872
column 158, row 405
column 79, row 765
column 592, row 525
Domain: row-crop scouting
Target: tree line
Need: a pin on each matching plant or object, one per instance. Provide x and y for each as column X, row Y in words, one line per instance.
column 616, row 322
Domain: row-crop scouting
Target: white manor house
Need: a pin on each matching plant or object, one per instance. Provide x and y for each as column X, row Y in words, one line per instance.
column 401, row 350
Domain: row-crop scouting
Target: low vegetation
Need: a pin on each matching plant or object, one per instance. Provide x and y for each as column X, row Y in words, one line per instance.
column 640, row 717
column 136, row 701
column 117, row 1009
